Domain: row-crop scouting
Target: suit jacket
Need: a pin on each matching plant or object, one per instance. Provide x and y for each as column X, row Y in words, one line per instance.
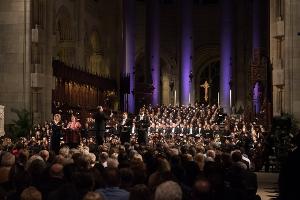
column 126, row 127
column 100, row 121
column 142, row 124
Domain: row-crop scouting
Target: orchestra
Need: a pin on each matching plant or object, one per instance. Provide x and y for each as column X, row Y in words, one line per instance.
column 197, row 124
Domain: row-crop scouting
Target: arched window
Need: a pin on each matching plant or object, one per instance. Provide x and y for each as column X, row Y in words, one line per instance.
column 66, row 51
column 63, row 25
column 94, row 55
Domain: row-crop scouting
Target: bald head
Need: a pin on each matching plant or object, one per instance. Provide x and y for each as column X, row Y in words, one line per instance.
column 56, row 171
column 44, row 154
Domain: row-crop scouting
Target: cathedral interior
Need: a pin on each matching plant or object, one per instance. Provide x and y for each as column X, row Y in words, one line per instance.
column 62, row 54
column 149, row 99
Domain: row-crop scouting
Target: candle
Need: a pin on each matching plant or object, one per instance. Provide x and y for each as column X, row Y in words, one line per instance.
column 218, row 99
column 175, row 98
column 230, row 98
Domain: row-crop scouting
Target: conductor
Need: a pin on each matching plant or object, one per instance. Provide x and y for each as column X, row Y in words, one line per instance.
column 100, row 124
column 142, row 125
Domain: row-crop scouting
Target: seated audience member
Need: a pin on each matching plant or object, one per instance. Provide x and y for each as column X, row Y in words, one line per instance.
column 290, row 174
column 45, row 155
column 7, row 162
column 93, row 196
column 202, row 190
column 140, row 191
column 168, row 190
column 55, row 180
column 31, row 193
column 112, row 190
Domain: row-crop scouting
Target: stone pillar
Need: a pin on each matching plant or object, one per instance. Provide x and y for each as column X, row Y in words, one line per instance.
column 2, row 132
column 129, row 47
column 226, row 53
column 153, row 46
column 186, row 51
column 260, row 24
column 15, row 54
column 259, row 48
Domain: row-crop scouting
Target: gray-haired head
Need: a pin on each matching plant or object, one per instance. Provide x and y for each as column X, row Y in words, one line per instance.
column 169, row 190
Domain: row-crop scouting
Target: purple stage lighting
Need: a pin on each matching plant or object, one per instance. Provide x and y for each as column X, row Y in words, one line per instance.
column 186, row 49
column 226, row 54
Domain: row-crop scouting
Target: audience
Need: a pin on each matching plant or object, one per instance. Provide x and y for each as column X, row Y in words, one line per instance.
column 173, row 167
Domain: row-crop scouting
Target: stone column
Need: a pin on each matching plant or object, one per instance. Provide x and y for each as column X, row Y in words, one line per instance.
column 186, row 51
column 226, row 53
column 259, row 48
column 152, row 46
column 129, row 47
column 260, row 24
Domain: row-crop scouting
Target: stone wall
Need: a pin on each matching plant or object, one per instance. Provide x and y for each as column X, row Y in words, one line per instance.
column 26, row 64
column 285, row 56
column 15, row 56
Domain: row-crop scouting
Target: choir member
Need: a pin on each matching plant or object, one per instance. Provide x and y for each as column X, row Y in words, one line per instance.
column 56, row 133
column 72, row 138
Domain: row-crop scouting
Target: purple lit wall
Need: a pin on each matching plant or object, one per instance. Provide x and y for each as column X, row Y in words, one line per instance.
column 129, row 47
column 256, row 97
column 152, row 46
column 226, row 53
column 186, row 49
column 256, row 44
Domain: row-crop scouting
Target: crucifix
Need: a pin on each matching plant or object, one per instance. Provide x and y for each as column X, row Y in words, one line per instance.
column 205, row 86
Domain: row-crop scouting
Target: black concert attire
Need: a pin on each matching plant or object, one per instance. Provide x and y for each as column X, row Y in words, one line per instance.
column 85, row 133
column 124, row 130
column 100, row 125
column 56, row 135
column 142, row 125
column 191, row 131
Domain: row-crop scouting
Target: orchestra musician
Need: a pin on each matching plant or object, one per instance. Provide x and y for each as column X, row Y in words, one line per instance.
column 124, row 129
column 100, row 125
column 56, row 133
column 72, row 136
column 142, row 125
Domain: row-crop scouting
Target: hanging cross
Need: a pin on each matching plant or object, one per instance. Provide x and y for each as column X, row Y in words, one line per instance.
column 205, row 86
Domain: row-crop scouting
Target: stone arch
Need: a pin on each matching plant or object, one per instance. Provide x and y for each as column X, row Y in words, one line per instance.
column 94, row 54
column 65, row 47
column 167, row 74
column 166, row 77
column 140, row 70
column 64, row 24
column 207, row 58
column 95, row 40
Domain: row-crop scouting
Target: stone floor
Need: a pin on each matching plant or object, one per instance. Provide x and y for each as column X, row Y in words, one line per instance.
column 267, row 185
